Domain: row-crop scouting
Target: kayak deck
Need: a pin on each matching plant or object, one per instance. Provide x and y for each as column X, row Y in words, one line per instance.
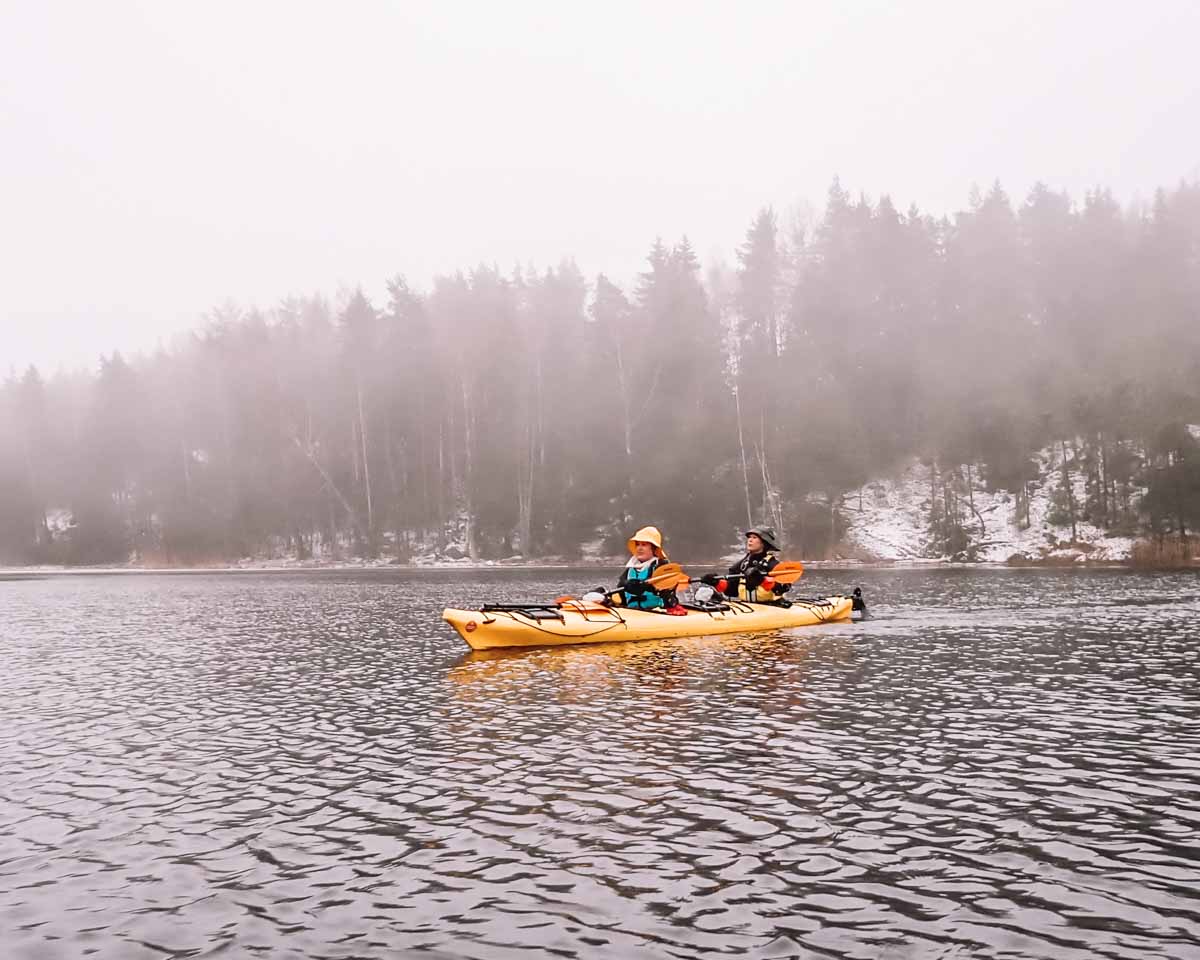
column 513, row 625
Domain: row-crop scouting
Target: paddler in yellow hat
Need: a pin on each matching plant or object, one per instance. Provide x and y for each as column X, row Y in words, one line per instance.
column 647, row 554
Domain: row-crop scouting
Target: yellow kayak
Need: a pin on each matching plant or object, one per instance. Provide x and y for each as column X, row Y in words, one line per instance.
column 575, row 621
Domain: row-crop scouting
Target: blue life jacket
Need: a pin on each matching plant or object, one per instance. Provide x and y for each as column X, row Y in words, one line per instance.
column 648, row 600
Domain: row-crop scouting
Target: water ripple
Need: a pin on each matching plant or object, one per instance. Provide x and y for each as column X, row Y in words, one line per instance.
column 999, row 765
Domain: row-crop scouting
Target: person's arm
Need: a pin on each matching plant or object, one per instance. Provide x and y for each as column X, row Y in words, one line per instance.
column 780, row 588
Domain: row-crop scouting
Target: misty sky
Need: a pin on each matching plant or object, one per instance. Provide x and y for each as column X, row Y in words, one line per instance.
column 158, row 158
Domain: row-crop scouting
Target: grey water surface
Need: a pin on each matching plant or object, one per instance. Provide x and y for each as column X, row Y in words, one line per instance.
column 998, row 764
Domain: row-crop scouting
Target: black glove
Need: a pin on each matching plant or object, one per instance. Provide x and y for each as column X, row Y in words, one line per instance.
column 781, row 588
column 635, row 588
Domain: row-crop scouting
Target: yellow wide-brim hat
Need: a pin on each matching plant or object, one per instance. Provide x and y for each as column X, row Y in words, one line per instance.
column 648, row 535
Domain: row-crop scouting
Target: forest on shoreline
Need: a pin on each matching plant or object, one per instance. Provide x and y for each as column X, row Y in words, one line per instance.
column 538, row 413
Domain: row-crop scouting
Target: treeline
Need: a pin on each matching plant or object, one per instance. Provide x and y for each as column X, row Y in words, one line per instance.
column 530, row 412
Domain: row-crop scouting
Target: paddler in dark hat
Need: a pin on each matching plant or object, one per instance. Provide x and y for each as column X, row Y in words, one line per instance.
column 752, row 572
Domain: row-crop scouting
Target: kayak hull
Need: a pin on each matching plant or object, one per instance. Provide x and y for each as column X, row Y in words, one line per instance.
column 587, row 623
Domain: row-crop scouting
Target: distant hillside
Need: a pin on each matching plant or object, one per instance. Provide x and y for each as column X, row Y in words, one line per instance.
column 891, row 518
column 1002, row 380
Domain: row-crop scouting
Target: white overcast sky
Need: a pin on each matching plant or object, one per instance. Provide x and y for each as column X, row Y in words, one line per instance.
column 159, row 158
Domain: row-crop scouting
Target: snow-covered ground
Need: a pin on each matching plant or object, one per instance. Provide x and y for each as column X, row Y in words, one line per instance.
column 894, row 521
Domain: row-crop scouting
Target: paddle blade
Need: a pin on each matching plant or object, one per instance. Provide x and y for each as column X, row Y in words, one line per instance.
column 788, row 572
column 669, row 576
column 675, row 581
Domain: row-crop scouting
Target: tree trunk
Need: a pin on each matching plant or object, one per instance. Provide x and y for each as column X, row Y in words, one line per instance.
column 42, row 527
column 469, row 470
column 394, row 481
column 525, row 512
column 187, row 471
column 362, row 436
column 332, row 549
column 541, row 418
column 971, row 500
column 737, row 404
column 932, row 492
column 1103, row 467
column 833, row 530
column 1066, row 475
column 440, row 486
column 423, row 455
column 1177, row 471
column 627, row 424
column 525, row 492
column 332, row 487
column 770, row 501
column 230, row 484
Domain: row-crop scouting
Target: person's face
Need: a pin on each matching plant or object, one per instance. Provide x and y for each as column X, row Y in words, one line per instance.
column 754, row 543
column 643, row 550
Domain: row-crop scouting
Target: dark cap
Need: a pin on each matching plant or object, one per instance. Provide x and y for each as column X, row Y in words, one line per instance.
column 767, row 534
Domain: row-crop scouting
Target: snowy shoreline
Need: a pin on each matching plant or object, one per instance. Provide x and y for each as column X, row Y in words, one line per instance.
column 609, row 564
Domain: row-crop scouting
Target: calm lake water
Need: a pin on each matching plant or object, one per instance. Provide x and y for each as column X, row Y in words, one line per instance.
column 998, row 764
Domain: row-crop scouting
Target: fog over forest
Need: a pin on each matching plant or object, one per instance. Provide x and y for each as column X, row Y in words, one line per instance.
column 534, row 412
